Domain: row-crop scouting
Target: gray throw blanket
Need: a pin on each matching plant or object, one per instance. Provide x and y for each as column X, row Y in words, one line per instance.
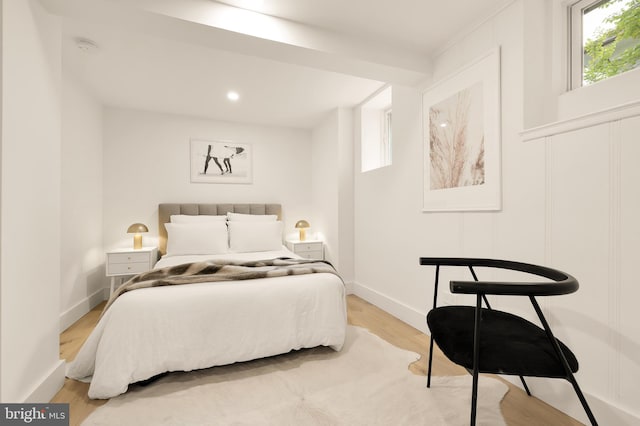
column 214, row 271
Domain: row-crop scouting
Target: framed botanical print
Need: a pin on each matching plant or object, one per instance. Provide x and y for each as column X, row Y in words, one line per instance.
column 461, row 122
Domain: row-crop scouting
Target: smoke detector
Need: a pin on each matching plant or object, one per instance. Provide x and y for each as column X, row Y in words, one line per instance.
column 85, row 45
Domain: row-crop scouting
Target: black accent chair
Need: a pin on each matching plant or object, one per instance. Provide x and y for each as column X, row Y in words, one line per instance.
column 484, row 340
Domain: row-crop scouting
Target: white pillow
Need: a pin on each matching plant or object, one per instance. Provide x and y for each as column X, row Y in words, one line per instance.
column 255, row 236
column 197, row 238
column 189, row 218
column 237, row 217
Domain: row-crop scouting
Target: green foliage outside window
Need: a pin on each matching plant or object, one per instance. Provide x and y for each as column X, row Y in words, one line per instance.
column 617, row 49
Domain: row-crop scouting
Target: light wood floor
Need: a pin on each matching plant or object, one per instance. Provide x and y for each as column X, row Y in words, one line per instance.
column 518, row 408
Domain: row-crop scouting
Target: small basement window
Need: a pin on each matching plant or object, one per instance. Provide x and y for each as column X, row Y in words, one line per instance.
column 376, row 130
column 605, row 39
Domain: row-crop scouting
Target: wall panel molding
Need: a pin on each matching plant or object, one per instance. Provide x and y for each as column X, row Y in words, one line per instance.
column 548, row 216
column 621, row 112
column 614, row 266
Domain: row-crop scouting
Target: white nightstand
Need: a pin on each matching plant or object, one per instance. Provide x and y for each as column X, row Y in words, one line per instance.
column 309, row 249
column 122, row 262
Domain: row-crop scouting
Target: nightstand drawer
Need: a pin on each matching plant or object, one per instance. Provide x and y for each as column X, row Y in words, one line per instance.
column 122, row 262
column 128, row 257
column 311, row 254
column 127, row 268
column 308, row 247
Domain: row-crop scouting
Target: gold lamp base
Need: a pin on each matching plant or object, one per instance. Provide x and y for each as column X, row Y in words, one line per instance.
column 303, row 234
column 137, row 241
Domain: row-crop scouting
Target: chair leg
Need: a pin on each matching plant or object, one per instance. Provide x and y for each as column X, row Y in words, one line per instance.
column 435, row 303
column 474, row 398
column 430, row 362
column 526, row 388
column 581, row 397
column 476, row 359
column 563, row 360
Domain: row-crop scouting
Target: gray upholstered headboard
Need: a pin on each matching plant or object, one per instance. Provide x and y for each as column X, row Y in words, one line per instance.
column 166, row 210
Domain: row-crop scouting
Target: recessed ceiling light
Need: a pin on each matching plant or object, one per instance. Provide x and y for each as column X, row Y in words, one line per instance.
column 233, row 96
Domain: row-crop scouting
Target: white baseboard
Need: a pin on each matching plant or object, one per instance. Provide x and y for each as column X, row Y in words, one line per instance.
column 49, row 386
column 415, row 318
column 548, row 390
column 607, row 413
column 348, row 287
column 77, row 311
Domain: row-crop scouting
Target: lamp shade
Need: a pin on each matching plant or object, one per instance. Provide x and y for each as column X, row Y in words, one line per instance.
column 137, row 228
column 302, row 225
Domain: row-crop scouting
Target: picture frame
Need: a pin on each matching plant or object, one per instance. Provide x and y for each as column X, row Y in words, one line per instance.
column 462, row 139
column 220, row 161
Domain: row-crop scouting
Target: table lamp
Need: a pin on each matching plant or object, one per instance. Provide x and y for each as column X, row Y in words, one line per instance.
column 302, row 225
column 136, row 229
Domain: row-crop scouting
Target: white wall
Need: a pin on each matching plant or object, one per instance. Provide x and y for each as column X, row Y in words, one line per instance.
column 325, row 186
column 30, row 200
column 82, row 272
column 568, row 202
column 391, row 233
column 332, row 189
column 346, row 241
column 146, row 162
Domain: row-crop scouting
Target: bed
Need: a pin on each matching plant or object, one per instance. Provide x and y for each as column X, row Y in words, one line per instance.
column 164, row 328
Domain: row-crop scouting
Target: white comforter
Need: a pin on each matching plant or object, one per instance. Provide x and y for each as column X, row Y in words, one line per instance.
column 181, row 328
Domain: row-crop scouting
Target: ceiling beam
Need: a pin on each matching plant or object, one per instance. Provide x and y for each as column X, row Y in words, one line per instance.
column 223, row 27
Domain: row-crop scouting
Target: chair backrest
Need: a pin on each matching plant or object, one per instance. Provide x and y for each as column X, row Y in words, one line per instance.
column 561, row 282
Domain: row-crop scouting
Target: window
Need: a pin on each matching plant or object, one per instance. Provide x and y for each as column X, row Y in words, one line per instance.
column 375, row 130
column 605, row 39
column 385, row 147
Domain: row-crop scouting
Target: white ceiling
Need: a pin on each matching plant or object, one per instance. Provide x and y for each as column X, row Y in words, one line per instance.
column 290, row 67
column 422, row 26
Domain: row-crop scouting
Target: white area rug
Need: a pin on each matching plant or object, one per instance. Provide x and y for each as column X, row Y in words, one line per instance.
column 367, row 383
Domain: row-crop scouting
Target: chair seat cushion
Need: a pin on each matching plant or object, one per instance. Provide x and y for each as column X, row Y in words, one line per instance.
column 508, row 344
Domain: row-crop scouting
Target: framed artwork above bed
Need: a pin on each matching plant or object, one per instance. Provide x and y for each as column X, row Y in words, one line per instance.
column 220, row 161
